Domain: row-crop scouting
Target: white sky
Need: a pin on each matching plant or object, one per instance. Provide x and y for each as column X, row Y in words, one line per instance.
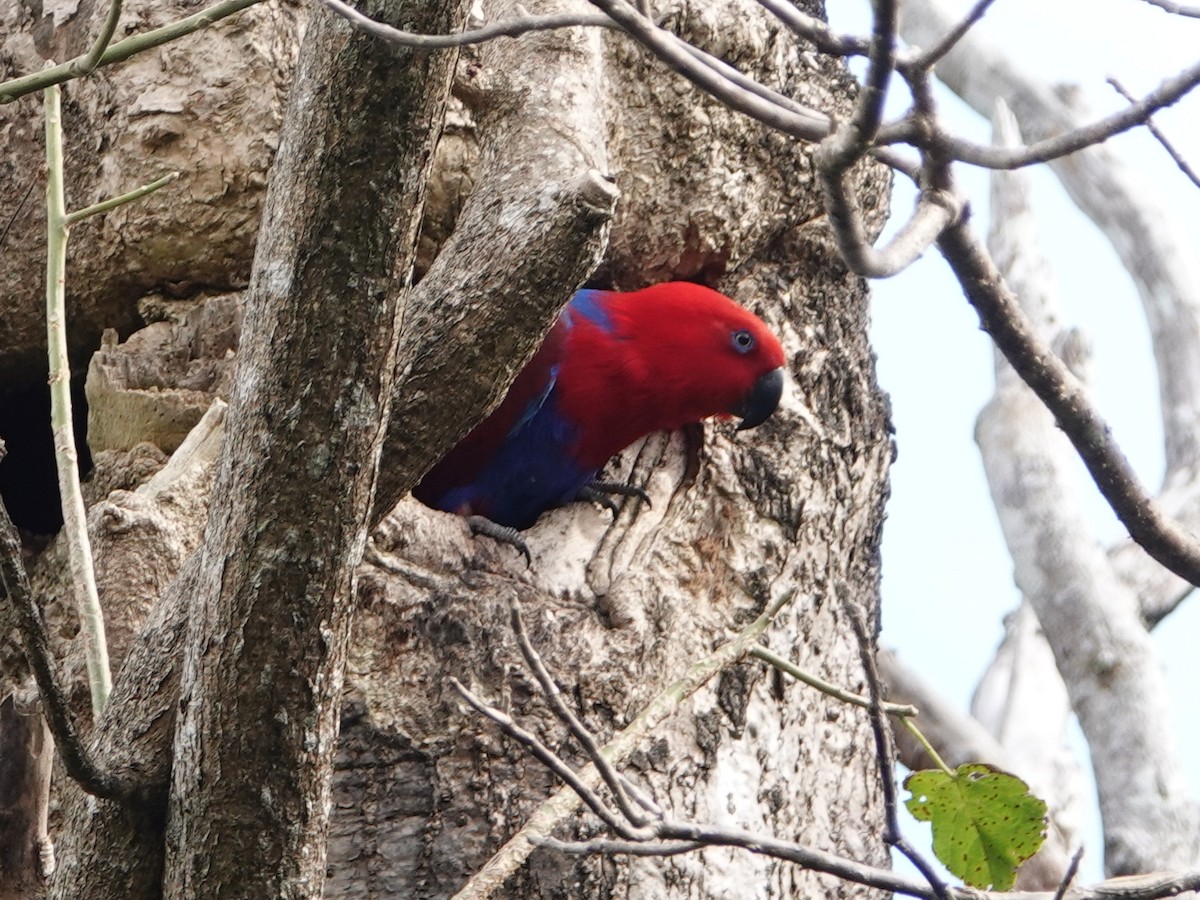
column 947, row 576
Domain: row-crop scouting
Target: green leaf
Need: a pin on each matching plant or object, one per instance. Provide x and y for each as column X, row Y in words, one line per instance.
column 985, row 822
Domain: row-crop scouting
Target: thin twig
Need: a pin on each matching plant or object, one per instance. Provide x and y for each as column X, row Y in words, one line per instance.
column 546, row 817
column 580, row 732
column 881, row 61
column 645, row 839
column 105, row 205
column 551, row 761
column 809, row 125
column 510, row 27
column 86, row 64
column 609, row 847
column 1157, row 132
column 926, row 60
column 736, row 90
column 806, row 857
column 16, row 212
column 688, row 837
column 885, row 750
column 18, row 597
column 773, row 659
column 1176, row 9
column 916, row 732
column 83, row 575
column 990, row 157
column 816, row 31
column 1069, row 875
column 123, row 50
column 850, row 143
column 745, row 82
column 1062, row 393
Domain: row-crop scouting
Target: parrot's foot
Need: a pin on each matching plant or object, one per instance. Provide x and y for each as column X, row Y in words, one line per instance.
column 598, row 492
column 502, row 533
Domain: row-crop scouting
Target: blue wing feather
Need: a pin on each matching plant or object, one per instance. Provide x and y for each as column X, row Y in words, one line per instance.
column 516, row 463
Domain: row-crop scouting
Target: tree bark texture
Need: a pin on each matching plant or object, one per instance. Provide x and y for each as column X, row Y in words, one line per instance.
column 26, row 757
column 267, row 635
column 423, row 793
column 207, row 106
column 620, row 607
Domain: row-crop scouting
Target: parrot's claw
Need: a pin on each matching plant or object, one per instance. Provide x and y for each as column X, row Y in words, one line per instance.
column 502, row 533
column 598, row 492
column 589, row 494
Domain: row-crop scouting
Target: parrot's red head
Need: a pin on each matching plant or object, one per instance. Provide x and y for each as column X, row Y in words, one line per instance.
column 663, row 357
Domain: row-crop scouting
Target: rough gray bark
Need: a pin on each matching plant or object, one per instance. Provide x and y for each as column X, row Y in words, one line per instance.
column 619, row 607
column 26, row 757
column 423, row 794
column 208, row 106
column 267, row 634
column 532, row 229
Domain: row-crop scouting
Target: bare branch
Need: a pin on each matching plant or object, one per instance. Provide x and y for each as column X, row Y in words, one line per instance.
column 1157, row 132
column 1137, row 887
column 854, row 138
column 885, row 751
column 510, row 27
column 21, row 608
column 1087, row 615
column 547, row 817
column 87, row 64
column 926, row 60
column 846, row 146
column 760, row 652
column 1154, row 247
column 113, row 202
column 1061, row 144
column 629, row 848
column 1176, row 9
column 568, row 718
column 551, row 761
column 1069, row 875
column 934, row 212
column 122, row 50
column 17, row 212
column 809, row 125
column 680, row 837
column 989, row 157
column 814, row 30
column 66, row 458
column 1002, row 318
column 807, row 857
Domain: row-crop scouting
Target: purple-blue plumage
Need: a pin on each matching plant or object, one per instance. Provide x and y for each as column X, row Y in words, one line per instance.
column 516, row 464
column 613, row 368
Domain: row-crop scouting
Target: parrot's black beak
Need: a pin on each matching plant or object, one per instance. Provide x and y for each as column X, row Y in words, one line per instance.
column 756, row 407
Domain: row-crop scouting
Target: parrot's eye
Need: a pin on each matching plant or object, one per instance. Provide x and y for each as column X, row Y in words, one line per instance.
column 743, row 341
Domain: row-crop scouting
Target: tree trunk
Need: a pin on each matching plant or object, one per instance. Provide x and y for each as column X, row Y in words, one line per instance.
column 423, row 793
column 266, row 642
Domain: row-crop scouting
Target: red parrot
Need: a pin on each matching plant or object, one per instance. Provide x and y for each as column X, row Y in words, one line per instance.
column 613, row 368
